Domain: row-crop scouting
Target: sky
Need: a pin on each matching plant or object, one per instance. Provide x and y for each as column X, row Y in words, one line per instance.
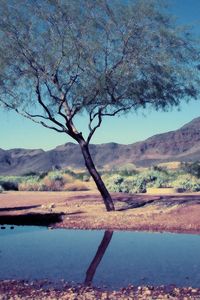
column 17, row 132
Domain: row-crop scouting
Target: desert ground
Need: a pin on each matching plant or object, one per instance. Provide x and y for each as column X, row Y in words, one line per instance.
column 85, row 210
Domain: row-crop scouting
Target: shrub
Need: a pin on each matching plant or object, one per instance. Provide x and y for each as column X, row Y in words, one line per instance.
column 42, row 175
column 130, row 184
column 114, row 182
column 135, row 184
column 187, row 183
column 30, row 185
column 158, row 177
column 192, row 168
column 56, row 181
column 9, row 185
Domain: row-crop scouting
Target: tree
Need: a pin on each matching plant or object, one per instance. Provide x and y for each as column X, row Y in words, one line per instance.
column 61, row 58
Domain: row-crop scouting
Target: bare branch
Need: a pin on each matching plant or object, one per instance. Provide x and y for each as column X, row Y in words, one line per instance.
column 92, row 131
column 31, row 117
column 39, row 98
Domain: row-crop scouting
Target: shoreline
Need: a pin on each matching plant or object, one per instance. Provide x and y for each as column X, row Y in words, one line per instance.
column 176, row 213
column 18, row 289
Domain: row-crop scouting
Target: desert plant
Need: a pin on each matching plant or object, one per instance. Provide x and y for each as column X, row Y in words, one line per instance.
column 9, row 185
column 31, row 184
column 187, row 183
column 191, row 168
column 55, row 181
column 134, row 184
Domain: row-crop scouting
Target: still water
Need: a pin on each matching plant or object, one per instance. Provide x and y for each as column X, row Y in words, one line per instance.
column 101, row 258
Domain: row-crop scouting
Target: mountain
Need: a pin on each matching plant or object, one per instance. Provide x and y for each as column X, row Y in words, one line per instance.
column 179, row 145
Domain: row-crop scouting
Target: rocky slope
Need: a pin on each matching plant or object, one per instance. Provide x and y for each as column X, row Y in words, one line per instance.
column 181, row 145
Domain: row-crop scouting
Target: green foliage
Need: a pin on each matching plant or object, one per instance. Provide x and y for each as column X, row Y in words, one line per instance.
column 187, row 182
column 117, row 65
column 53, row 181
column 136, row 184
column 116, row 181
column 192, row 168
column 130, row 184
column 156, row 177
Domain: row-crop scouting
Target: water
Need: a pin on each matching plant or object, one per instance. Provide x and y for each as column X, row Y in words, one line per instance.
column 138, row 258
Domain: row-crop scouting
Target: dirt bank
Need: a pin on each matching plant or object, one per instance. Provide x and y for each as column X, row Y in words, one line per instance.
column 84, row 210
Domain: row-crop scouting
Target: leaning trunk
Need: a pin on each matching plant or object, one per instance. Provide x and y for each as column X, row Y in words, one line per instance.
column 95, row 175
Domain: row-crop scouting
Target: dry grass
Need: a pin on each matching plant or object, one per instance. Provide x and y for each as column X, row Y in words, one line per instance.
column 161, row 191
column 77, row 185
column 172, row 165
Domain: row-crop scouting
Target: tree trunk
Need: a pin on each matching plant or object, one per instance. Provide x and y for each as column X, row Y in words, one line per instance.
column 96, row 176
column 98, row 257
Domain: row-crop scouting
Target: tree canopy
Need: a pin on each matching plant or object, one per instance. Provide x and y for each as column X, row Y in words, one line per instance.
column 59, row 58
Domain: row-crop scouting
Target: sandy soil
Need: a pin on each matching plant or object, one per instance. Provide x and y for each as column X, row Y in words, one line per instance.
column 85, row 210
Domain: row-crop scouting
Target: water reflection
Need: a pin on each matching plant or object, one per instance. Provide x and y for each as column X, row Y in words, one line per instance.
column 98, row 257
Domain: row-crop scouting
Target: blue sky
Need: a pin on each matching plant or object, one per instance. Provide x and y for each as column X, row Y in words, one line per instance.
column 17, row 132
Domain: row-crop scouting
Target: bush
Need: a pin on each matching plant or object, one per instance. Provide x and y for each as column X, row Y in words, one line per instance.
column 113, row 182
column 55, row 181
column 136, row 184
column 192, row 168
column 158, row 177
column 130, row 184
column 30, row 185
column 9, row 185
column 187, row 183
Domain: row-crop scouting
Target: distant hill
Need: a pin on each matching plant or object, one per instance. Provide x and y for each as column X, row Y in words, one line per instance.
column 179, row 145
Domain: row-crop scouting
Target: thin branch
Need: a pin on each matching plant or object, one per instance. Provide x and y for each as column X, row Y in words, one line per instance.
column 36, row 116
column 118, row 111
column 39, row 98
column 31, row 117
column 95, row 127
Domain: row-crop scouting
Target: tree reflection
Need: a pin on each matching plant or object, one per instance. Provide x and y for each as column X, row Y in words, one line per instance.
column 98, row 257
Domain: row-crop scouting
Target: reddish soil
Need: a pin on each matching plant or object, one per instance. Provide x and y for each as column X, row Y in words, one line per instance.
column 176, row 212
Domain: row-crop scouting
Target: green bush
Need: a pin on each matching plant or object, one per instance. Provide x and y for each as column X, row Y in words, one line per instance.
column 130, row 184
column 31, row 184
column 135, row 184
column 113, row 182
column 187, row 183
column 158, row 177
column 191, row 168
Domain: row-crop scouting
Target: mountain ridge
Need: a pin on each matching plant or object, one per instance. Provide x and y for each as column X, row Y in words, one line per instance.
column 182, row 144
